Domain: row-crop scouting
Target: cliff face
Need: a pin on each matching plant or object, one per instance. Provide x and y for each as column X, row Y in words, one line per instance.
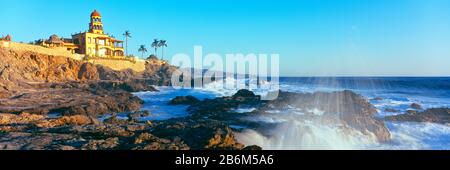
column 19, row 68
column 159, row 73
column 34, row 84
column 28, row 66
column 41, row 83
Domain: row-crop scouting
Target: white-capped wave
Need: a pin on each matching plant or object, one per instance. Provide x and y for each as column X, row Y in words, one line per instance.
column 306, row 135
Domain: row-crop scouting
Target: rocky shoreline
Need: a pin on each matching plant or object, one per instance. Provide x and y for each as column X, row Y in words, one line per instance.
column 34, row 87
column 353, row 111
column 434, row 115
column 54, row 102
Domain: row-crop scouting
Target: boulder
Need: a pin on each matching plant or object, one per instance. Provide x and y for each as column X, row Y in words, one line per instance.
column 198, row 133
column 184, row 100
column 416, row 106
column 244, row 93
column 67, row 120
column 352, row 110
column 391, row 110
column 434, row 115
column 252, row 147
column 88, row 72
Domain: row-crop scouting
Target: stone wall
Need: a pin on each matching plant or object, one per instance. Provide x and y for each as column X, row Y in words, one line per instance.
column 138, row 65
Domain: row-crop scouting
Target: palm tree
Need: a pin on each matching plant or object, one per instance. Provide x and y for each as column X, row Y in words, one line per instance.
column 143, row 50
column 127, row 35
column 155, row 45
column 162, row 44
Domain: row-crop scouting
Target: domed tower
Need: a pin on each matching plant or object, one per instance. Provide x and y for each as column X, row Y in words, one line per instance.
column 96, row 25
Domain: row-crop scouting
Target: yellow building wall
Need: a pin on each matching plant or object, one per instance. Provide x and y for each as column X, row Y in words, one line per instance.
column 91, row 44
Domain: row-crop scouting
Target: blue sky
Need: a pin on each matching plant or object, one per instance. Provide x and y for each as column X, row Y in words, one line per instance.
column 313, row 37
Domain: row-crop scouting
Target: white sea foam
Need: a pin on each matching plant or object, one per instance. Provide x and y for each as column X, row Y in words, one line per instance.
column 300, row 134
column 293, row 132
column 414, row 135
column 244, row 110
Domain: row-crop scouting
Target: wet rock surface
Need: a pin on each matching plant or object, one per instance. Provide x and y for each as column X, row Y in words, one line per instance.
column 184, row 100
column 391, row 110
column 344, row 106
column 42, row 84
column 416, row 106
column 81, row 132
column 208, row 126
column 434, row 115
column 198, row 133
column 34, row 86
column 81, row 100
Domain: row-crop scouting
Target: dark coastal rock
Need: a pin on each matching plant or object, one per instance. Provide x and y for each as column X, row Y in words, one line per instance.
column 198, row 133
column 159, row 74
column 30, row 141
column 435, row 115
column 116, row 121
column 80, row 133
column 71, row 101
column 135, row 85
column 219, row 108
column 117, row 102
column 411, row 111
column 102, row 144
column 136, row 115
column 246, row 96
column 84, row 132
column 43, row 122
column 391, row 110
column 416, row 106
column 146, row 141
column 88, row 72
column 252, row 147
column 106, row 73
column 184, row 100
column 377, row 98
column 39, row 84
column 352, row 109
column 79, row 91
column 244, row 93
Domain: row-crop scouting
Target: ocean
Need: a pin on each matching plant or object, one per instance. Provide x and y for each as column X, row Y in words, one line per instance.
column 291, row 132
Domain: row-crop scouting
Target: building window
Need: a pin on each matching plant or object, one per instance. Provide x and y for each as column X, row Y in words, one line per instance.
column 89, row 50
column 89, row 40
